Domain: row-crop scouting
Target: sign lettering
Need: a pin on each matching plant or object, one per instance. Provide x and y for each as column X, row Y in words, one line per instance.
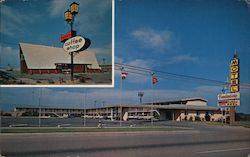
column 228, row 96
column 229, row 103
column 234, row 82
column 234, row 75
column 234, row 62
column 234, row 69
column 234, row 89
column 74, row 44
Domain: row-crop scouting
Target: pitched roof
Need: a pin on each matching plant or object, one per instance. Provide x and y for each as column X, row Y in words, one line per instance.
column 45, row 57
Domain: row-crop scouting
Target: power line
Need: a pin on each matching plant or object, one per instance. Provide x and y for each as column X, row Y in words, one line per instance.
column 162, row 74
column 170, row 75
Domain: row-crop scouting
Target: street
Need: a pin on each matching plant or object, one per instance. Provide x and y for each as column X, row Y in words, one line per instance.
column 201, row 140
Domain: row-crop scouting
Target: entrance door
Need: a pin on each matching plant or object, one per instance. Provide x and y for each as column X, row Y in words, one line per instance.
column 169, row 115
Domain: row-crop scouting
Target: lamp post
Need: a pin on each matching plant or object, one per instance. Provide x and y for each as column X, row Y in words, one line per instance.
column 95, row 103
column 69, row 17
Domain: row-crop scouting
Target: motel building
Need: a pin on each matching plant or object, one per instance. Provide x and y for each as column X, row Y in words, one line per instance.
column 191, row 109
column 40, row 59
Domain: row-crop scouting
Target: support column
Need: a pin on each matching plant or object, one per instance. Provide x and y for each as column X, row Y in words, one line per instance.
column 121, row 113
column 232, row 115
column 173, row 115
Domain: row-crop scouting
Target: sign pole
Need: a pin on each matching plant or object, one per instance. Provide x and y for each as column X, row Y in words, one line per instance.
column 72, row 65
column 232, row 99
column 234, row 83
column 232, row 115
column 221, row 109
column 152, row 88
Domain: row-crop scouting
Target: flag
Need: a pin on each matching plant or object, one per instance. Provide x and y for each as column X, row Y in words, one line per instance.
column 154, row 80
column 123, row 74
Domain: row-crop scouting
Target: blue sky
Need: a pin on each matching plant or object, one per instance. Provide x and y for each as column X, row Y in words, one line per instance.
column 194, row 37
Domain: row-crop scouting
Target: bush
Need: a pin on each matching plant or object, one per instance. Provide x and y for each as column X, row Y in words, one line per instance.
column 185, row 118
column 51, row 81
column 207, row 117
column 197, row 118
column 82, row 80
column 21, row 82
column 191, row 119
column 7, row 114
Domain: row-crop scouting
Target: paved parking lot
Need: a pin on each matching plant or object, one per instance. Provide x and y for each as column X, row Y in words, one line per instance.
column 15, row 77
column 202, row 140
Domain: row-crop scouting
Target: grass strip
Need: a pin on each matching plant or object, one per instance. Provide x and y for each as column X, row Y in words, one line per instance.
column 245, row 124
column 55, row 130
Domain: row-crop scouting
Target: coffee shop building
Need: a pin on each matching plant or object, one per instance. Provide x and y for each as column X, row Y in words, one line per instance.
column 40, row 59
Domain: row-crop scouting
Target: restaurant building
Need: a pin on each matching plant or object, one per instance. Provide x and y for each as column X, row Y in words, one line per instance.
column 40, row 59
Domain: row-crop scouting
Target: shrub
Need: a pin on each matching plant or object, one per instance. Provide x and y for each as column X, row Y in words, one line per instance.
column 185, row 118
column 197, row 118
column 82, row 80
column 51, row 81
column 207, row 117
column 191, row 119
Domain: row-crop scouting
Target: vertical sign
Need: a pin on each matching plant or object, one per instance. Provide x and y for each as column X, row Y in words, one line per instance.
column 234, row 87
column 234, row 75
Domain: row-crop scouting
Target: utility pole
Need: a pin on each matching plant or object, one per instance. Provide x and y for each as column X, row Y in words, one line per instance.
column 39, row 105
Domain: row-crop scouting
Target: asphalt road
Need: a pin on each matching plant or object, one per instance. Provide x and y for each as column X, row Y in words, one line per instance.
column 201, row 141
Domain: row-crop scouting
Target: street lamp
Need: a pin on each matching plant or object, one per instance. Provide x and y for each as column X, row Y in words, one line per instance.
column 69, row 17
column 74, row 8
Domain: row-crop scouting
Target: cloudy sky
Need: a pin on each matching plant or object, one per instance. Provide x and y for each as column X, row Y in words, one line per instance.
column 195, row 38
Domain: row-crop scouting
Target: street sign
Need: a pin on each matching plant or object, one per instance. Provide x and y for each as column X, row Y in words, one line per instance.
column 229, row 96
column 229, row 103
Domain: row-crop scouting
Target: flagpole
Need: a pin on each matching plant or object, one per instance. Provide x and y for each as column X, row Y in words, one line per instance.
column 84, row 108
column 123, row 76
column 152, row 88
column 121, row 98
